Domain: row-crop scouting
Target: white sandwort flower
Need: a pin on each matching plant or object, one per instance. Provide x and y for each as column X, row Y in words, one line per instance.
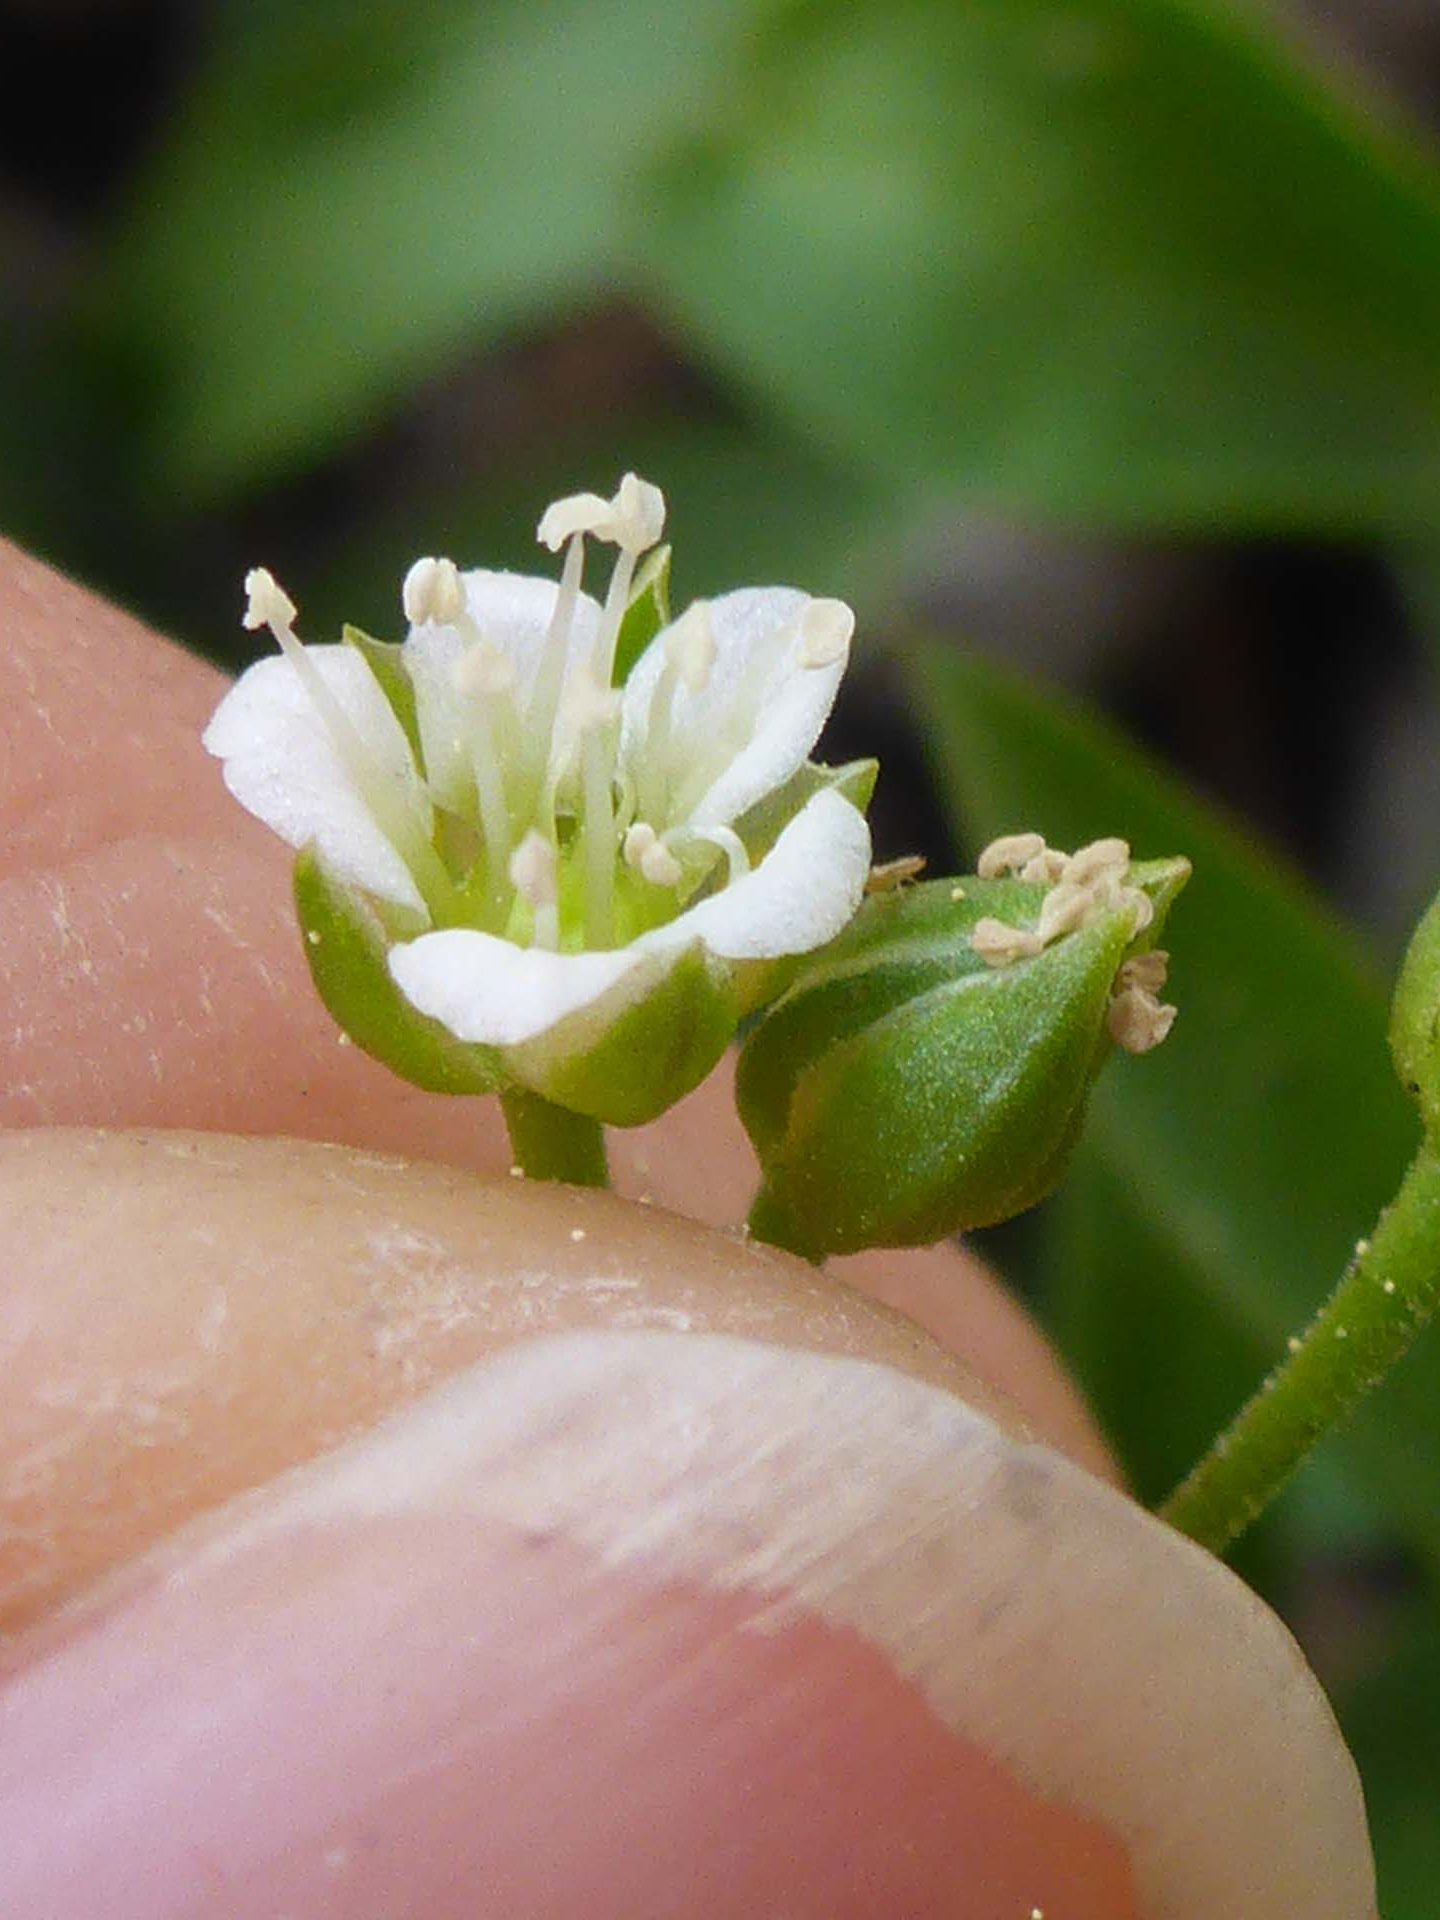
column 590, row 883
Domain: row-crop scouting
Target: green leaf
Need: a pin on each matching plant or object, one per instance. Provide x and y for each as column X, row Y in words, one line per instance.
column 647, row 613
column 1065, row 259
column 745, row 505
column 386, row 660
column 355, row 196
column 346, row 945
column 1265, row 1137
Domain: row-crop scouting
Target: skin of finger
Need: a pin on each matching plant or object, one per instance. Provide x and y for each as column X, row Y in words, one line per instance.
column 492, row 1722
column 152, row 973
column 635, row 1616
column 186, row 1316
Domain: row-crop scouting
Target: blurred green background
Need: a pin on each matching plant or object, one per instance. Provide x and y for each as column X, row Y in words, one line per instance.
column 1091, row 347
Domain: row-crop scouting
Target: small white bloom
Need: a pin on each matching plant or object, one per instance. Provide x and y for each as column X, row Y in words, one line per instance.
column 569, row 843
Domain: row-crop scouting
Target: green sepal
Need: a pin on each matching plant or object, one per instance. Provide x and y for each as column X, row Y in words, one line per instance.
column 760, row 826
column 385, row 659
column 626, row 1068
column 647, row 613
column 1415, row 1020
column 346, row 944
column 902, row 1090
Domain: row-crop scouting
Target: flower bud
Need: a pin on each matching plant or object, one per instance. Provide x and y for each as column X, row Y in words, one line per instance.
column 927, row 1073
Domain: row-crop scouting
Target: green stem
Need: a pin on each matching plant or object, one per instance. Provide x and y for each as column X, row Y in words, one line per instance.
column 550, row 1143
column 1389, row 1292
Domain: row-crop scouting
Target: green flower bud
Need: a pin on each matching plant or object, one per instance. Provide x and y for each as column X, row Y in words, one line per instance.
column 928, row 1073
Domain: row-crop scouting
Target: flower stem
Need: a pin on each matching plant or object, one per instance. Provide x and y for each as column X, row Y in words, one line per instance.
column 1388, row 1293
column 550, row 1143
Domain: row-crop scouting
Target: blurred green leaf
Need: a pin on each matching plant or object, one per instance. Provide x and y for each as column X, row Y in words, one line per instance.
column 1389, row 1708
column 745, row 507
column 354, row 195
column 1127, row 261
column 1242, row 1162
column 1063, row 255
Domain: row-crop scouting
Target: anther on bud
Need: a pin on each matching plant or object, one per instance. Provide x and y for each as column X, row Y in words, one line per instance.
column 1101, row 857
column 999, row 944
column 1063, row 909
column 1046, row 869
column 1147, row 970
column 1009, row 854
column 1137, row 1021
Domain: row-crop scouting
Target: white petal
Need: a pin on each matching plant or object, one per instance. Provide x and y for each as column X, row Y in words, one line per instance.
column 496, row 994
column 757, row 716
column 281, row 764
column 512, row 612
column 802, row 894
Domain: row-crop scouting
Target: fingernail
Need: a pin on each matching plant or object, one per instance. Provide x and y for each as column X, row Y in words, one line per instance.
column 645, row 1624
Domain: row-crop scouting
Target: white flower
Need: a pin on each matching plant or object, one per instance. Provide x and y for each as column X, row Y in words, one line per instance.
column 547, row 853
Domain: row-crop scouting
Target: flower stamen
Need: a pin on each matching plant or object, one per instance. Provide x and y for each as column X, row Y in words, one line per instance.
column 730, row 844
column 534, row 874
column 433, row 594
column 689, row 661
column 483, row 677
column 648, row 854
column 268, row 605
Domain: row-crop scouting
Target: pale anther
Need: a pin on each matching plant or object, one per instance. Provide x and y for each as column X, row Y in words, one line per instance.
column 1140, row 904
column 1046, row 869
column 660, row 867
column 1009, row 854
column 577, row 513
column 432, row 593
column 1101, row 857
column 690, row 646
column 1063, row 910
column 633, row 520
column 998, row 944
column 826, row 627
column 1147, row 970
column 588, row 704
column 266, row 602
column 638, row 841
column 1111, row 896
column 1137, row 1021
column 482, row 670
column 638, row 511
column 533, row 871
